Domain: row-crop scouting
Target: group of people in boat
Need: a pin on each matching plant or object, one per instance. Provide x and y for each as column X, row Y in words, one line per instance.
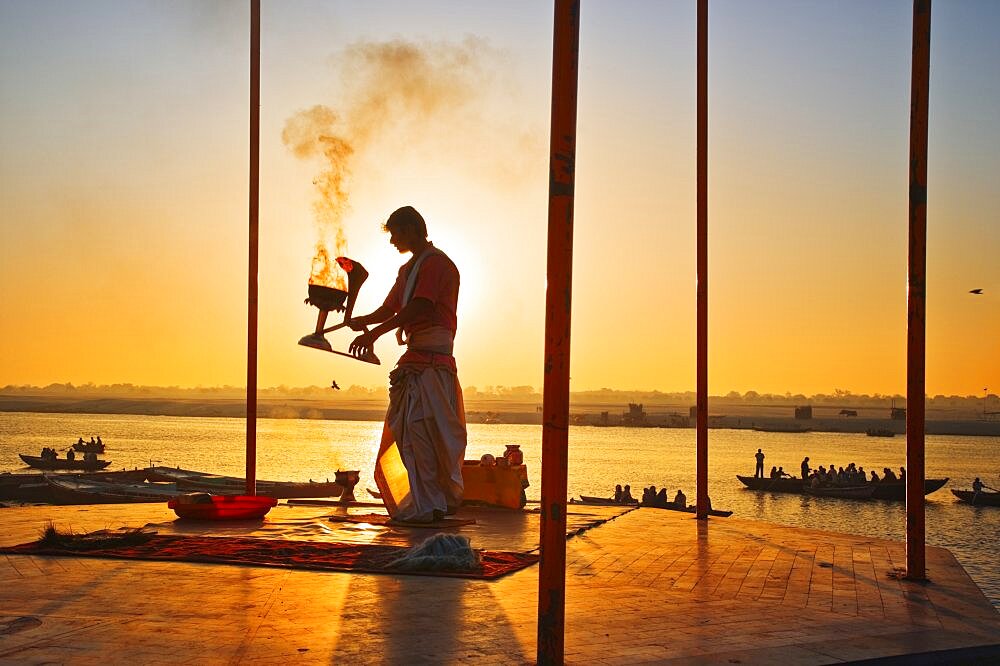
column 623, row 495
column 52, row 455
column 660, row 498
column 852, row 475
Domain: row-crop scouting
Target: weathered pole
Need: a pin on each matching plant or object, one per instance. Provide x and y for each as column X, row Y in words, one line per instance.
column 916, row 301
column 701, row 426
column 558, row 296
column 251, row 481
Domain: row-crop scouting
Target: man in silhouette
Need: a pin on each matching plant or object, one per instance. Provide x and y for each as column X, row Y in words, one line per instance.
column 759, row 471
column 419, row 465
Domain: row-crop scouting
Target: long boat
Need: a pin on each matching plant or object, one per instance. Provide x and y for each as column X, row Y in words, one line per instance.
column 61, row 463
column 886, row 490
column 193, row 481
column 604, row 501
column 83, row 491
column 34, row 488
column 841, row 492
column 984, row 498
column 689, row 509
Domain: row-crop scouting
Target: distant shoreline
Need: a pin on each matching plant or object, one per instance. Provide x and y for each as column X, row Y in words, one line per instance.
column 487, row 411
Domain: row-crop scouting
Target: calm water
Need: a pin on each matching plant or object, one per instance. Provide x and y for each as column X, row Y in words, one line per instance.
column 599, row 458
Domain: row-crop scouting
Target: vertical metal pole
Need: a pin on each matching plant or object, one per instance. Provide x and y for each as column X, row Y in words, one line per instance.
column 701, row 427
column 251, row 480
column 916, row 300
column 558, row 295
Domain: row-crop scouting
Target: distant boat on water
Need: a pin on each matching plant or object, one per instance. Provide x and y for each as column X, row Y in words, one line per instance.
column 880, row 432
column 792, row 428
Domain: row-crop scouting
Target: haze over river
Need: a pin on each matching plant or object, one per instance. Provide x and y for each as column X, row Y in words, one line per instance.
column 289, row 449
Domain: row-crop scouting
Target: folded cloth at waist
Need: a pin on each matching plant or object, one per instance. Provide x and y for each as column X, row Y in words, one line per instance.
column 431, row 346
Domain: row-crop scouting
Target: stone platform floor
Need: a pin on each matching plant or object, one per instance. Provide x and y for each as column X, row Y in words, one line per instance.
column 649, row 586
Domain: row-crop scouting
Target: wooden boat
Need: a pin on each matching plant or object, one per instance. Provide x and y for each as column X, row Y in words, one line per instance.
column 61, row 463
column 841, row 492
column 783, row 485
column 193, row 481
column 34, row 488
column 222, row 507
column 603, row 501
column 84, row 491
column 880, row 432
column 87, row 447
column 985, row 498
column 689, row 509
column 887, row 490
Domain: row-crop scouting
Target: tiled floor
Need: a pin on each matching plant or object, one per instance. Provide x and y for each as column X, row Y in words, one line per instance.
column 649, row 586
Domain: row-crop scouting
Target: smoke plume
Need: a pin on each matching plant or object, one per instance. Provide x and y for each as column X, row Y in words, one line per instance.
column 399, row 86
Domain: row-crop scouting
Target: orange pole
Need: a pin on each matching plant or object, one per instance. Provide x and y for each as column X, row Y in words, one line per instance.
column 916, row 300
column 701, row 427
column 555, row 393
column 251, row 480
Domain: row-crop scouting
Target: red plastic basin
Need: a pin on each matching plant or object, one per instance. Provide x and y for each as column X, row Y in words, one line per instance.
column 225, row 507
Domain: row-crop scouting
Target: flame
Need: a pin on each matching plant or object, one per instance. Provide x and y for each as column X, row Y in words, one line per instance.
column 323, row 271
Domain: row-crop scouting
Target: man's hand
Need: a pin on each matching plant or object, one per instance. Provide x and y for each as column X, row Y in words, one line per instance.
column 362, row 345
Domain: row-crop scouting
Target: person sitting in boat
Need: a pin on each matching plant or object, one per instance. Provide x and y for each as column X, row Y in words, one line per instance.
column 888, row 474
column 627, row 495
column 648, row 496
column 902, row 475
column 862, row 476
column 805, row 468
column 782, row 473
column 70, row 456
column 99, row 442
column 661, row 498
column 774, row 472
column 680, row 499
column 874, row 478
column 92, row 442
column 618, row 493
column 80, row 441
column 816, row 481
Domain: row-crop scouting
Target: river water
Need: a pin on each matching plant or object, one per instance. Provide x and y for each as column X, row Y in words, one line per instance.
column 290, row 449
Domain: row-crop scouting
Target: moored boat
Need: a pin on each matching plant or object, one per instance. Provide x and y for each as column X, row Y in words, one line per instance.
column 984, row 498
column 84, row 491
column 34, row 488
column 689, row 509
column 62, row 463
column 880, row 432
column 193, row 481
column 604, row 501
column 841, row 492
column 222, row 507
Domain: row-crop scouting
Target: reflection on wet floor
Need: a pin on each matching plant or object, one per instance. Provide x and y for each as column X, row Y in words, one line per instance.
column 493, row 529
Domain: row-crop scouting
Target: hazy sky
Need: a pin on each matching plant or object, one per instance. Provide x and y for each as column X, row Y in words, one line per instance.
column 123, row 189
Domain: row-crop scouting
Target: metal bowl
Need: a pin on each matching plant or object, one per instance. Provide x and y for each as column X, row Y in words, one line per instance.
column 326, row 298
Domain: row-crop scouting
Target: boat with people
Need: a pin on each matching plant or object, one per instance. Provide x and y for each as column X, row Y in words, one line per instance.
column 93, row 446
column 589, row 500
column 51, row 463
column 841, row 492
column 194, row 481
column 982, row 498
column 886, row 490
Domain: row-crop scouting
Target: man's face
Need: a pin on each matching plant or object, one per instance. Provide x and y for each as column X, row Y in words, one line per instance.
column 401, row 238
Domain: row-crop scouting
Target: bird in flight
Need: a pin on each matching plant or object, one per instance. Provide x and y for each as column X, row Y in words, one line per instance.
column 978, row 292
column 334, row 385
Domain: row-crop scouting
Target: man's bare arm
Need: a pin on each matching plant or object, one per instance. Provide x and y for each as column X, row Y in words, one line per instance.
column 383, row 313
column 413, row 310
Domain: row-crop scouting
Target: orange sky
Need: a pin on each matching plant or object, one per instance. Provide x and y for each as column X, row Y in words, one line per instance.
column 123, row 157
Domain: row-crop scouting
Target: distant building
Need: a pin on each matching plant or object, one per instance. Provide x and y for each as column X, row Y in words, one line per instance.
column 804, row 413
column 693, row 412
column 635, row 416
column 848, row 412
column 897, row 413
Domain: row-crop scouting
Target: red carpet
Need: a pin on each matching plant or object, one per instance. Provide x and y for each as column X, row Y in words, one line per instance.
column 363, row 558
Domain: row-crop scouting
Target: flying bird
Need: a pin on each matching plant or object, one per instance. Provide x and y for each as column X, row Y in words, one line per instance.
column 334, row 385
column 978, row 292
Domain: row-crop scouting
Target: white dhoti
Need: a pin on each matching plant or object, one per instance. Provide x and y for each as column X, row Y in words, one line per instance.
column 419, row 464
